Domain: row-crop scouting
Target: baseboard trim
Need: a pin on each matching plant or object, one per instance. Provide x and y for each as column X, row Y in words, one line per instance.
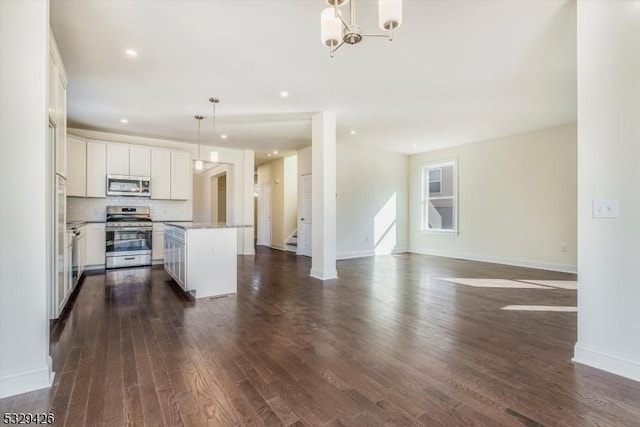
column 564, row 268
column 607, row 362
column 322, row 275
column 367, row 253
column 23, row 382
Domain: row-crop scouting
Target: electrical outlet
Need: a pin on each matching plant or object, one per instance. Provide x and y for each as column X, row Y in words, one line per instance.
column 564, row 247
column 605, row 209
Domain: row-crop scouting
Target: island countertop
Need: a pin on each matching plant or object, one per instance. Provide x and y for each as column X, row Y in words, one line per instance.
column 204, row 225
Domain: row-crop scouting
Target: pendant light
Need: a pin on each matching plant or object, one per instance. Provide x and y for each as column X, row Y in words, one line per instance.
column 197, row 164
column 213, row 155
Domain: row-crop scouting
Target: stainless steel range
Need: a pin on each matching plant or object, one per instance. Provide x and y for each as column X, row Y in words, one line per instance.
column 129, row 230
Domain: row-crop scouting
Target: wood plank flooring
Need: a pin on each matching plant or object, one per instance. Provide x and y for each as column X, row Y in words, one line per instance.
column 388, row 343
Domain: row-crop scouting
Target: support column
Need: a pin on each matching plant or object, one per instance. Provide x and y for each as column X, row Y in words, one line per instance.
column 323, row 181
column 248, row 202
column 25, row 364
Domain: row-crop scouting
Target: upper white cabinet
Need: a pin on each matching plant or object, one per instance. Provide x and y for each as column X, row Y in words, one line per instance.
column 139, row 161
column 160, row 174
column 117, row 159
column 180, row 176
column 77, row 167
column 128, row 160
column 96, row 169
column 57, row 104
column 91, row 161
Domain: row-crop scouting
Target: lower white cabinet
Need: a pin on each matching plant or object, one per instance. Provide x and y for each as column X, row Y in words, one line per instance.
column 157, row 242
column 95, row 243
column 175, row 255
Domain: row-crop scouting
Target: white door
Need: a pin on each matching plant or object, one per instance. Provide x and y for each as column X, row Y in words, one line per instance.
column 264, row 215
column 304, row 223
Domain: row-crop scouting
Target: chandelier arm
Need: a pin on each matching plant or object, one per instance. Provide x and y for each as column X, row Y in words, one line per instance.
column 332, row 49
column 339, row 16
column 377, row 35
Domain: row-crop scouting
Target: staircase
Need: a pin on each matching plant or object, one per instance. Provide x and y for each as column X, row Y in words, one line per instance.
column 292, row 242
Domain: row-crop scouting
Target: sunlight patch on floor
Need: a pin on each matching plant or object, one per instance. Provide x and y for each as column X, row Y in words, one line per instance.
column 560, row 284
column 560, row 308
column 494, row 283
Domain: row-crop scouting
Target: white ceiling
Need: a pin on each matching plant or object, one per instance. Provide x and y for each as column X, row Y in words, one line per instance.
column 456, row 72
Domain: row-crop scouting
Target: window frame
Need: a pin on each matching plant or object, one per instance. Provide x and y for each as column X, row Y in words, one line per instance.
column 424, row 196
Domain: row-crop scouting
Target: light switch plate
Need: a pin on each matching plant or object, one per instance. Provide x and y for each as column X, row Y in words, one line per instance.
column 605, row 209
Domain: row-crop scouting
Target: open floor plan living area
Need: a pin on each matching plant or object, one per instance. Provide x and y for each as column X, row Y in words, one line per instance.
column 319, row 213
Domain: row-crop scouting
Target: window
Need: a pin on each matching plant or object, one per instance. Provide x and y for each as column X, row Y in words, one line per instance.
column 439, row 191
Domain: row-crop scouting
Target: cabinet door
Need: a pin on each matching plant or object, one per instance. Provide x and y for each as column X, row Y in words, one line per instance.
column 157, row 245
column 96, row 169
column 82, row 252
column 180, row 176
column 160, row 174
column 95, row 243
column 117, row 159
column 139, row 161
column 76, row 167
column 52, row 85
column 61, row 129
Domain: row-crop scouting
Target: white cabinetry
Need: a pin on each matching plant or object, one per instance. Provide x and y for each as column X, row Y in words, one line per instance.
column 82, row 250
column 76, row 167
column 180, row 176
column 160, row 174
column 202, row 260
column 96, row 169
column 57, row 104
column 95, row 253
column 128, row 160
column 157, row 242
column 117, row 159
column 139, row 161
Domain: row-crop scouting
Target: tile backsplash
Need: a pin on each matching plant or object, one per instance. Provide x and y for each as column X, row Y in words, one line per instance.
column 94, row 209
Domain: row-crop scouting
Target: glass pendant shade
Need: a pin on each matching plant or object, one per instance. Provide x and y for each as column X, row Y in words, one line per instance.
column 389, row 14
column 213, row 156
column 330, row 28
column 198, row 165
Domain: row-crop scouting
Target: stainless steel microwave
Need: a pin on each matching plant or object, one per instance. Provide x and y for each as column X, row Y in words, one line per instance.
column 122, row 185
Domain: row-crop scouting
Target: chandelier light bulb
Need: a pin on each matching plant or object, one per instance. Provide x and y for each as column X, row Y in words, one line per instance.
column 389, row 14
column 330, row 28
column 198, row 165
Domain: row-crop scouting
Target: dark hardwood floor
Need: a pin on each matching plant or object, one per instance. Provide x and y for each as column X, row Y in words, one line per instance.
column 388, row 343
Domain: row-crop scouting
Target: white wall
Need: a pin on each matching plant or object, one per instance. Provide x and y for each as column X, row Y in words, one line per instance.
column 371, row 211
column 205, row 193
column 239, row 182
column 24, row 324
column 608, row 164
column 517, row 200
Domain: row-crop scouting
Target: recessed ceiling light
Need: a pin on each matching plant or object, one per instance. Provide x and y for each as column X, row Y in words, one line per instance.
column 131, row 52
column 275, row 151
column 223, row 136
column 353, row 132
column 284, row 94
column 124, row 121
column 414, row 145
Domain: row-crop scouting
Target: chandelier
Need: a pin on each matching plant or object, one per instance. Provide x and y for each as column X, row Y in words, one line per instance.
column 335, row 31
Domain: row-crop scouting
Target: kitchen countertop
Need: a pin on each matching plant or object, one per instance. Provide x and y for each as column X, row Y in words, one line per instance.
column 205, row 225
column 75, row 224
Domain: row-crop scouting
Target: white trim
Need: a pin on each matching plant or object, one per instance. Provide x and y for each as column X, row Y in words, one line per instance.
column 424, row 201
column 367, row 253
column 564, row 268
column 23, row 382
column 322, row 275
column 250, row 251
column 278, row 247
column 607, row 362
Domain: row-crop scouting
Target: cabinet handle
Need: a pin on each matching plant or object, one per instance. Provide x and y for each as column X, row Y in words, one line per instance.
column 129, row 258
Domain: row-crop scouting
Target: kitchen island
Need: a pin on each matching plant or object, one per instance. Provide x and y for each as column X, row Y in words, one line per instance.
column 202, row 257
